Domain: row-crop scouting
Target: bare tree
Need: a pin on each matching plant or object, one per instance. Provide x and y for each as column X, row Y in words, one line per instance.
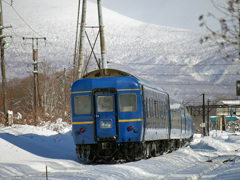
column 228, row 37
column 54, row 92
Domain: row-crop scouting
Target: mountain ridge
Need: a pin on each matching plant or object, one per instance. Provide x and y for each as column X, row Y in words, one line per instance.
column 128, row 42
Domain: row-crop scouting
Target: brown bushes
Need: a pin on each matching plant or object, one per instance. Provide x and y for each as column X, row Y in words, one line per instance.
column 53, row 99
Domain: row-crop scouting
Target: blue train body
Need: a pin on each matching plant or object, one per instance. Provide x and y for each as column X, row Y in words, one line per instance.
column 120, row 116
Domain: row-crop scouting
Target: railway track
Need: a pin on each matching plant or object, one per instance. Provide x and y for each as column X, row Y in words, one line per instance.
column 202, row 169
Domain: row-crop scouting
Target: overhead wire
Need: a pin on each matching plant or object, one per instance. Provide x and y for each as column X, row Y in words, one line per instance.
column 165, row 64
column 194, row 74
column 17, row 35
column 191, row 100
column 18, row 53
column 22, row 18
column 17, row 72
column 188, row 84
column 190, row 74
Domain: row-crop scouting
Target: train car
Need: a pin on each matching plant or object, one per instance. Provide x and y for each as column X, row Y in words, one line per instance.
column 121, row 117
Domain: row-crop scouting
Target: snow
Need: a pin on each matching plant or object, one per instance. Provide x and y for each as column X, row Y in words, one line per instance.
column 145, row 50
column 27, row 150
column 142, row 49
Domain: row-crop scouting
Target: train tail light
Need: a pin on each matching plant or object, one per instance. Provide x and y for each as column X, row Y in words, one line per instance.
column 82, row 130
column 130, row 128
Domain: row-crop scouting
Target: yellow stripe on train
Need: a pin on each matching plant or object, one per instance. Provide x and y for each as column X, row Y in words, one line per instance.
column 81, row 92
column 129, row 120
column 128, row 89
column 84, row 122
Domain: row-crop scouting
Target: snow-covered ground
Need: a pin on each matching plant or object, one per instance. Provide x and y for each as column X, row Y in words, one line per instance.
column 25, row 151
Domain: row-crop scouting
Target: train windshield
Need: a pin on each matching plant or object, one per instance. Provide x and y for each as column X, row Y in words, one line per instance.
column 82, row 105
column 128, row 102
column 105, row 103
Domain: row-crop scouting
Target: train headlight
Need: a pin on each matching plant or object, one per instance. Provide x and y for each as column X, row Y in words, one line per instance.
column 82, row 130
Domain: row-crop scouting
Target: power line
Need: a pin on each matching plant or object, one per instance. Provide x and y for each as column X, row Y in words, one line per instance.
column 193, row 99
column 152, row 64
column 195, row 74
column 22, row 18
column 22, row 45
column 17, row 51
column 13, row 32
column 187, row 84
column 17, row 72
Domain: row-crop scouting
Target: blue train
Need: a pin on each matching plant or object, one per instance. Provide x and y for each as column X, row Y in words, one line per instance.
column 120, row 117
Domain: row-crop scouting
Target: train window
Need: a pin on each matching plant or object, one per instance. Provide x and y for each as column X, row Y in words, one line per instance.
column 146, row 103
column 166, row 111
column 149, row 112
column 105, row 104
column 152, row 108
column 149, row 108
column 159, row 109
column 82, row 105
column 162, row 111
column 166, row 106
column 155, row 108
column 128, row 102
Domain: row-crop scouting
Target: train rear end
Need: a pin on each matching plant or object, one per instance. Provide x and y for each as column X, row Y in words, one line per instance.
column 107, row 117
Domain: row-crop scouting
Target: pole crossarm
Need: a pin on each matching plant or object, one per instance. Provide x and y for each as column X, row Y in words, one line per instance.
column 3, row 27
column 2, row 36
column 44, row 38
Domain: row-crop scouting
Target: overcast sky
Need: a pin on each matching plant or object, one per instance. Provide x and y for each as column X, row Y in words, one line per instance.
column 173, row 13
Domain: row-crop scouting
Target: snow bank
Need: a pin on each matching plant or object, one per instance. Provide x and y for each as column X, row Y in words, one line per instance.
column 58, row 125
column 26, row 150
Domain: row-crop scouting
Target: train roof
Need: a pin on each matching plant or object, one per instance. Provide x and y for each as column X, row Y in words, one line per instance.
column 118, row 73
column 106, row 73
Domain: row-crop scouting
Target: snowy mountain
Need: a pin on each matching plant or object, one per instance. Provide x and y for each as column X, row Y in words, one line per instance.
column 170, row 57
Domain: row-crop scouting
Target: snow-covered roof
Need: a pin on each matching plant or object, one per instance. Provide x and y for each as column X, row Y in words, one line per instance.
column 231, row 102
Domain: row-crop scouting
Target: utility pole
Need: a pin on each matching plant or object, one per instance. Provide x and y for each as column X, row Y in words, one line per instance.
column 102, row 39
column 208, row 114
column 76, row 45
column 204, row 125
column 35, row 72
column 239, row 30
column 4, row 81
column 82, row 38
column 79, row 52
column 65, row 89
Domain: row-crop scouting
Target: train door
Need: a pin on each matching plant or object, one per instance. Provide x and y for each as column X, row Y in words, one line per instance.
column 105, row 111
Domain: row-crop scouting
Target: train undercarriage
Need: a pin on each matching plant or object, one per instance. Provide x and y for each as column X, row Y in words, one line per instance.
column 107, row 152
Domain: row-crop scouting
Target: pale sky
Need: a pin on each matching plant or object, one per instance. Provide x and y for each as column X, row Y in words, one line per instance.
column 172, row 13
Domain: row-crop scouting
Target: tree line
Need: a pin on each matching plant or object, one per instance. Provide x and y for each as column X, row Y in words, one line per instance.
column 53, row 99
